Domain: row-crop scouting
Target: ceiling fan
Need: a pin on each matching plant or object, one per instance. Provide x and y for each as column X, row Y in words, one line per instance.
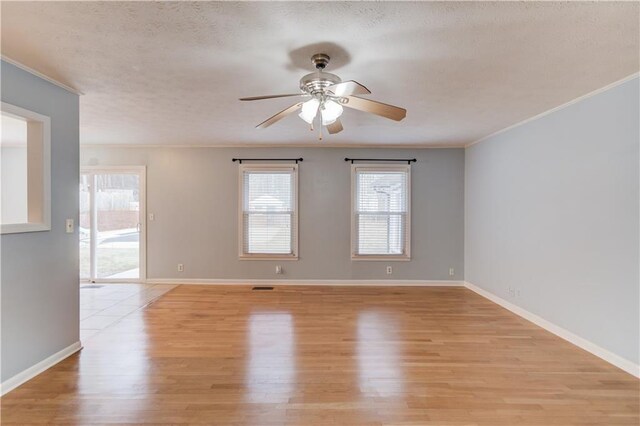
column 323, row 97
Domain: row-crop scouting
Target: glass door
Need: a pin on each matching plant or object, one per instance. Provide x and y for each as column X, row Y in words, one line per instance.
column 111, row 224
column 86, row 182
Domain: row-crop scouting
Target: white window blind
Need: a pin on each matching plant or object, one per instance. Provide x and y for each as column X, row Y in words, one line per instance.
column 269, row 211
column 381, row 206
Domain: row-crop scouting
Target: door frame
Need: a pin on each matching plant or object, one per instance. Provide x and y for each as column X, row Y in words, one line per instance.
column 141, row 171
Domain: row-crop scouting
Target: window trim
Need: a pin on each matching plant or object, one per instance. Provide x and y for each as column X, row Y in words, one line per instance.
column 44, row 181
column 267, row 256
column 404, row 257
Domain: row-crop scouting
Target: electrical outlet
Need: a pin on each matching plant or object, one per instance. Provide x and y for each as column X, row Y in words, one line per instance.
column 452, row 272
column 389, row 270
column 278, row 269
column 180, row 267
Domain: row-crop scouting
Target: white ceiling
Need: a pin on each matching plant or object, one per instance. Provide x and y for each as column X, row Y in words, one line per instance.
column 171, row 73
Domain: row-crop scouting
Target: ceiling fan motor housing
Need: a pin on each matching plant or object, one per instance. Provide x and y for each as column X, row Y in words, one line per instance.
column 317, row 82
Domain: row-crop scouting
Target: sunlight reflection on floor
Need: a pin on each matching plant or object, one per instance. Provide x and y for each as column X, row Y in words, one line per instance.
column 271, row 365
column 378, row 353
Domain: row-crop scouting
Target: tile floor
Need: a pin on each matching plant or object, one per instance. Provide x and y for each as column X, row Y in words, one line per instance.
column 104, row 304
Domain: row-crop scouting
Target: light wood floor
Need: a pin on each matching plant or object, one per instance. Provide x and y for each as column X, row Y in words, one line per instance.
column 326, row 355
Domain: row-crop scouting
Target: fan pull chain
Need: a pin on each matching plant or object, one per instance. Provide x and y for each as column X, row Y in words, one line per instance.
column 319, row 117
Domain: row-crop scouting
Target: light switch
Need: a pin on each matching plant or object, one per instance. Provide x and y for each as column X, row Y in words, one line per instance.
column 69, row 226
column 152, row 216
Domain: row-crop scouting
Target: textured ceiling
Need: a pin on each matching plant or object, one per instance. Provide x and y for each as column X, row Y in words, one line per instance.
column 171, row 73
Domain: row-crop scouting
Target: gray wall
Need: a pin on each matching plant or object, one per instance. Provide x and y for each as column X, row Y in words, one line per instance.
column 39, row 275
column 552, row 211
column 193, row 193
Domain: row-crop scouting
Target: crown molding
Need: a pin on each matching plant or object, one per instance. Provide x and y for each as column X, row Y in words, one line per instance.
column 355, row 146
column 41, row 75
column 557, row 108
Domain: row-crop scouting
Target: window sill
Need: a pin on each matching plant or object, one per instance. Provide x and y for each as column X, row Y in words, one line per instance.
column 18, row 228
column 374, row 257
column 267, row 257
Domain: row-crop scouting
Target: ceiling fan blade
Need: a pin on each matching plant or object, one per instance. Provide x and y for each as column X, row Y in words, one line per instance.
column 335, row 127
column 259, row 98
column 279, row 116
column 347, row 88
column 378, row 108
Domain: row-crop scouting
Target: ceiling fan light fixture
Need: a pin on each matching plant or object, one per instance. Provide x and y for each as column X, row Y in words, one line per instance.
column 326, row 93
column 330, row 111
column 309, row 110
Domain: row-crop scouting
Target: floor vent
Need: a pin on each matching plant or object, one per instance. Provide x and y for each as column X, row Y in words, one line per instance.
column 262, row 288
column 91, row 286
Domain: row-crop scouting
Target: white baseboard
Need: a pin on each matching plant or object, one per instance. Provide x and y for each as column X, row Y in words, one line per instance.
column 28, row 374
column 616, row 360
column 369, row 283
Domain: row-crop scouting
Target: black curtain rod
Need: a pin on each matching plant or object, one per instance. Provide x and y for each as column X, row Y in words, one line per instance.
column 240, row 160
column 408, row 160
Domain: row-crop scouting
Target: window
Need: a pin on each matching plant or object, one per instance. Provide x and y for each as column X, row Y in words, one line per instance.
column 25, row 171
column 381, row 219
column 268, row 202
